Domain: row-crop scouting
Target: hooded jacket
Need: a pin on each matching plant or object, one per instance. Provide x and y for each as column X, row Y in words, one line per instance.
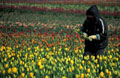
column 98, row 28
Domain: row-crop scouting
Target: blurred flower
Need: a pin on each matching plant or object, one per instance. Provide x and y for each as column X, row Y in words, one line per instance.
column 14, row 70
column 64, row 77
column 81, row 75
column 3, row 71
column 71, row 61
column 83, row 61
column 46, row 76
column 6, row 65
column 77, row 76
column 41, row 49
column 80, row 67
column 41, row 66
column 31, row 74
column 22, row 74
column 9, row 70
column 88, row 70
column 102, row 74
column 106, row 70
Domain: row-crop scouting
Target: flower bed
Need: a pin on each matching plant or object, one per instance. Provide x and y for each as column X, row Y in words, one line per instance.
column 49, row 50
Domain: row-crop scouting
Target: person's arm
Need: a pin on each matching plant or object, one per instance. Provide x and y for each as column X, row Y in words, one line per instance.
column 103, row 31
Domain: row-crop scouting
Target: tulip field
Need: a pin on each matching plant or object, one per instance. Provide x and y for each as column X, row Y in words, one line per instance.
column 49, row 45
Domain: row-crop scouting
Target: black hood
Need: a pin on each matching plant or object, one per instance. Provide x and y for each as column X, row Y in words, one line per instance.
column 93, row 10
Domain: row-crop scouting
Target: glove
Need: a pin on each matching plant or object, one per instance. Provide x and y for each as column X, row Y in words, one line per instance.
column 92, row 37
column 85, row 35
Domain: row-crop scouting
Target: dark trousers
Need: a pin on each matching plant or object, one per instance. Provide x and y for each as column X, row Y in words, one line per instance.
column 93, row 51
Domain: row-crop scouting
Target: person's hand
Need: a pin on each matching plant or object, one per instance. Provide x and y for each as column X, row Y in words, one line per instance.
column 92, row 37
column 85, row 35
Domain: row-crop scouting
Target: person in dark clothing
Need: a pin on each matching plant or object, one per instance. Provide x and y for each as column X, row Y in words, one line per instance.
column 95, row 32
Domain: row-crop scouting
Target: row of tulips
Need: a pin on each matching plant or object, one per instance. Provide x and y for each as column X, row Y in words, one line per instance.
column 98, row 2
column 59, row 9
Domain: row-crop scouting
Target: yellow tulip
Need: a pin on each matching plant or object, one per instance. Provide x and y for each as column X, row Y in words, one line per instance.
column 61, row 68
column 82, row 75
column 77, row 76
column 98, row 65
column 14, row 70
column 117, row 49
column 101, row 74
column 5, row 59
column 108, row 51
column 31, row 74
column 88, row 56
column 80, row 51
column 76, row 51
column 92, row 66
column 115, row 72
column 96, row 61
column 93, row 57
column 70, row 70
column 113, row 64
column 41, row 66
column 28, row 69
column 64, row 77
column 9, row 56
column 9, row 70
column 88, row 70
column 89, row 62
column 46, row 76
column 41, row 50
column 13, row 51
column 59, row 52
column 107, row 71
column 100, row 58
column 53, row 48
column 6, row 65
column 49, row 72
column 17, row 46
column 105, row 58
column 94, row 70
column 72, row 62
column 47, row 49
column 110, row 56
column 56, row 53
column 25, row 65
column 80, row 67
column 28, row 49
column 23, row 69
column 73, row 68
column 3, row 71
column 83, row 61
column 116, row 59
column 112, row 50
column 39, row 62
column 54, row 69
column 22, row 74
column 88, row 75
column 20, row 62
